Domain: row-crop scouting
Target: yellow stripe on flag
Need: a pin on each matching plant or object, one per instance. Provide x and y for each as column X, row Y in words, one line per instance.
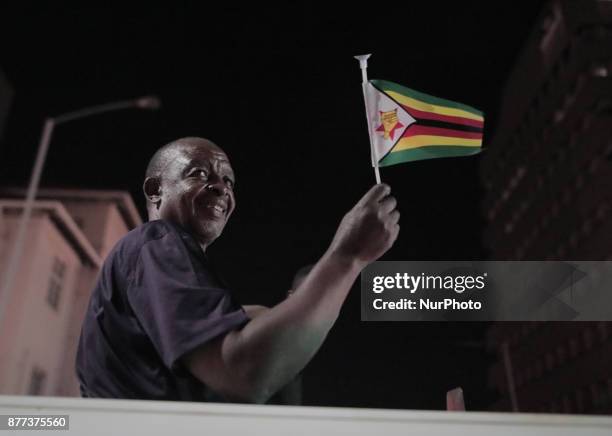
column 427, row 107
column 424, row 140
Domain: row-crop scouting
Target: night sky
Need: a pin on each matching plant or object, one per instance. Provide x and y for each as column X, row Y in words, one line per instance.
column 279, row 90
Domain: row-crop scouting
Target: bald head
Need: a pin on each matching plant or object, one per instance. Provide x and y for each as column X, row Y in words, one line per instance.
column 169, row 152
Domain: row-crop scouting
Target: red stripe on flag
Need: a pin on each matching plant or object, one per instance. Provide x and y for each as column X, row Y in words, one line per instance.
column 415, row 129
column 446, row 118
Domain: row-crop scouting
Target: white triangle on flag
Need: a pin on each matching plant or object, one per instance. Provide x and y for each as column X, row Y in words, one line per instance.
column 388, row 121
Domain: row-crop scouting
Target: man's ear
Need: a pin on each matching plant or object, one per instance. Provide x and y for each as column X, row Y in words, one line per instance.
column 152, row 190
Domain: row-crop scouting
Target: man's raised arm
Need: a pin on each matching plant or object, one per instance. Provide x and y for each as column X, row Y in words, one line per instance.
column 251, row 364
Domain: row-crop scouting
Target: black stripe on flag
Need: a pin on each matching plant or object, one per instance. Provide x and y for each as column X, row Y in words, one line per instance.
column 446, row 125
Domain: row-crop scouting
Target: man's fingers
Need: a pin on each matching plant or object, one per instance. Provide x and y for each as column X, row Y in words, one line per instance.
column 376, row 193
column 388, row 204
column 394, row 217
column 396, row 231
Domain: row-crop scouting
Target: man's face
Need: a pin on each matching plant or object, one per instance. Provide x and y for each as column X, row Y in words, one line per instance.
column 197, row 189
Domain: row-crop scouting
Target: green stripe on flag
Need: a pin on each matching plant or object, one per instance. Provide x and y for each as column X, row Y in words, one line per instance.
column 390, row 86
column 427, row 152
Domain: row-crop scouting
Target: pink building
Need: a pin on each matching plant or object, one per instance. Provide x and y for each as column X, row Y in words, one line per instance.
column 70, row 234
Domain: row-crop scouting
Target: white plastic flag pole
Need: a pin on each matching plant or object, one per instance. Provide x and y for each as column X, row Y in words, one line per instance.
column 363, row 64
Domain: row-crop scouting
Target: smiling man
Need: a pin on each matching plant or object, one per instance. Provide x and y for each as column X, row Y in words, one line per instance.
column 162, row 325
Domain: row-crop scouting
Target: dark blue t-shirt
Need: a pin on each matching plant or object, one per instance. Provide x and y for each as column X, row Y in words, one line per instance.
column 156, row 299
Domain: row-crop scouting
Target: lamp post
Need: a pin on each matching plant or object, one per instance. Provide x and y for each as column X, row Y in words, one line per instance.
column 148, row 102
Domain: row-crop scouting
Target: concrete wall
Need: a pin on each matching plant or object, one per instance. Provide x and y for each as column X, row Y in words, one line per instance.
column 115, row 229
column 34, row 331
column 100, row 221
column 91, row 217
column 88, row 417
column 103, row 226
column 70, row 386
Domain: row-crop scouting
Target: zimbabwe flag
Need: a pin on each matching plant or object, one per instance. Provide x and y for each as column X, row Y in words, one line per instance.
column 407, row 125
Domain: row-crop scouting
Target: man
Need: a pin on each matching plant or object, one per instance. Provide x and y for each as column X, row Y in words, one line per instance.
column 161, row 325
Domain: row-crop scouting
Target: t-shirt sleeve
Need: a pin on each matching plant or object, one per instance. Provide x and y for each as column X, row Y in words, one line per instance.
column 176, row 305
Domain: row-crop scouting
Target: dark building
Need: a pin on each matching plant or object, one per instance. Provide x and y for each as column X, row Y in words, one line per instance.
column 548, row 179
column 552, row 367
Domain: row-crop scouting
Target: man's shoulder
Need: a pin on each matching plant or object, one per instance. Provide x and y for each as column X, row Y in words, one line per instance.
column 157, row 236
column 148, row 233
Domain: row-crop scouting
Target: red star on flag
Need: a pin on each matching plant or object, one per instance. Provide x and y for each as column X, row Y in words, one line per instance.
column 389, row 124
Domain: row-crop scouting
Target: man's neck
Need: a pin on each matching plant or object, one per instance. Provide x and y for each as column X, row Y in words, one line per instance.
column 203, row 245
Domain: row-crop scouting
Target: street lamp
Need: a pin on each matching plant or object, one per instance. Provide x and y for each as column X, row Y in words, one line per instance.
column 147, row 102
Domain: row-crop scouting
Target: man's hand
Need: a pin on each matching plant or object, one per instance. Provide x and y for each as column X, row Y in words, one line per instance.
column 369, row 229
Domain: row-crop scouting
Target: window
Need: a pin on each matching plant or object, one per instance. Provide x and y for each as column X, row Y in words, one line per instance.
column 544, row 222
column 550, row 361
column 579, row 400
column 528, row 373
column 594, row 165
column 555, row 209
column 608, row 152
column 561, row 251
column 585, row 123
column 37, row 381
column 567, row 196
column 567, row 404
column 595, row 394
column 579, row 182
column 587, row 226
column 573, row 240
column 566, row 54
column 602, row 328
column 561, row 355
column 539, row 368
column 600, row 71
column 558, row 116
column 587, row 338
column 554, row 407
column 574, row 347
column 56, row 282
